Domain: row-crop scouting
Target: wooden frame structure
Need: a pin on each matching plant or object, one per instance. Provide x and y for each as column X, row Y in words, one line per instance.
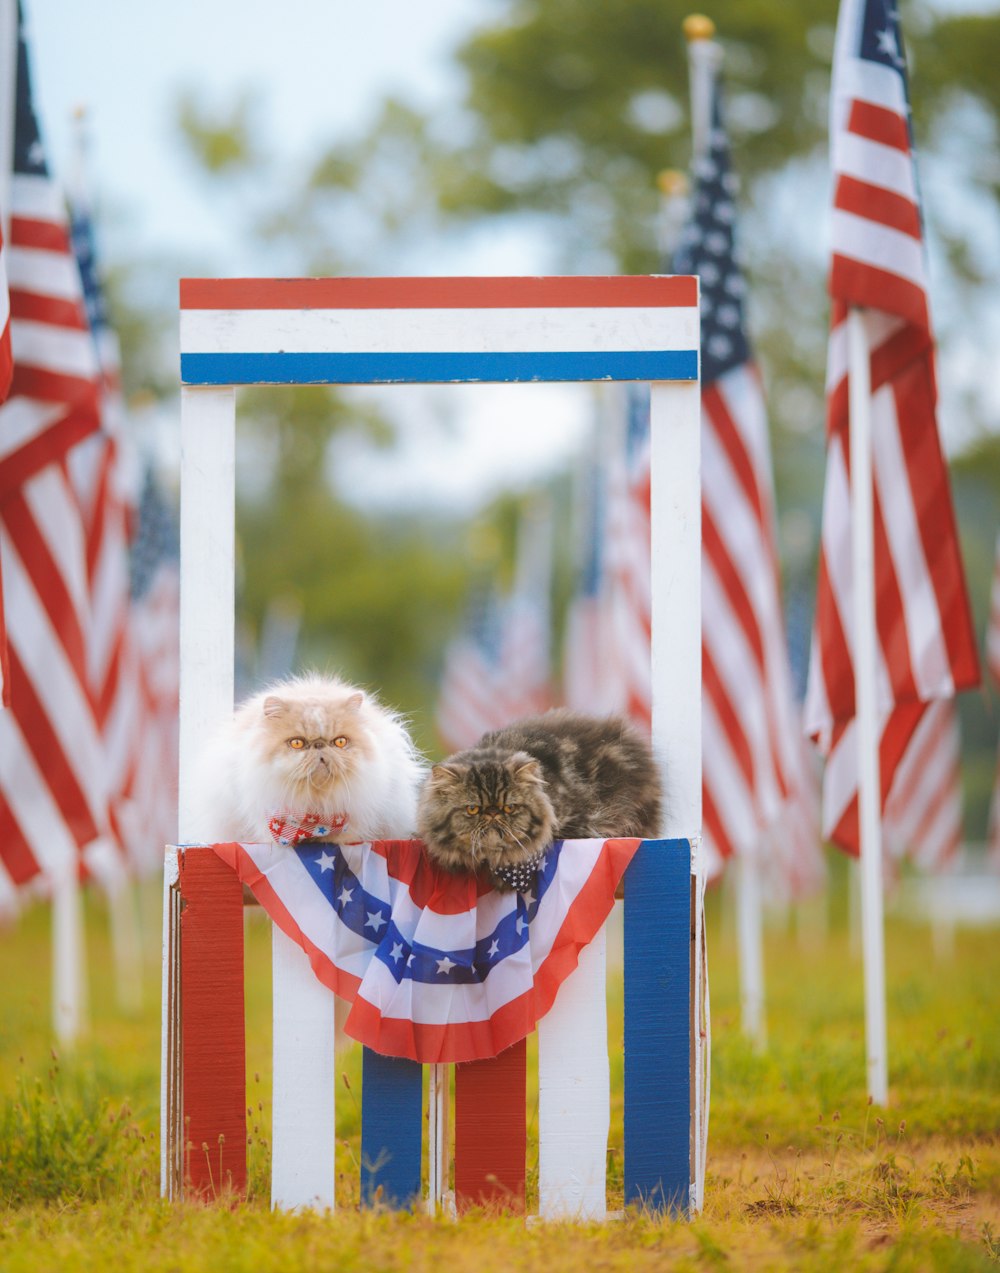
column 451, row 330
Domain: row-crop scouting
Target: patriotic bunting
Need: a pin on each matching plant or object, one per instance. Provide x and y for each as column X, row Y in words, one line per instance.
column 436, row 967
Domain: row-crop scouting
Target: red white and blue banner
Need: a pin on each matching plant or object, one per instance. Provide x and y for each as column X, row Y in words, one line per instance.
column 436, row 967
column 362, row 331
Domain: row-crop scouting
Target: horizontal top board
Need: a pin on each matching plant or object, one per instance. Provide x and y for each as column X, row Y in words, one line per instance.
column 439, row 293
column 438, row 330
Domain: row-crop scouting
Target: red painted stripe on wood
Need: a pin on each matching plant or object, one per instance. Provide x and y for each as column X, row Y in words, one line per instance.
column 212, row 1025
column 490, row 1131
column 439, row 293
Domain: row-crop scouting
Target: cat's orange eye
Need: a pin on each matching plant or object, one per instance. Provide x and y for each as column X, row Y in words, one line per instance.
column 509, row 808
column 296, row 743
column 472, row 810
column 340, row 741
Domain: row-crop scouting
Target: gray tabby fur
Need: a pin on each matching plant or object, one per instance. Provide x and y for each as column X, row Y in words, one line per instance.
column 561, row 775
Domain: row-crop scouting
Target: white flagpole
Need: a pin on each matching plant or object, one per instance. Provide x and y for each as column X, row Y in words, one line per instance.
column 704, row 57
column 865, row 707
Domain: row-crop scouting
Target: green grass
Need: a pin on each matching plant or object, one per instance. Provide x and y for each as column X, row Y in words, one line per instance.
column 803, row 1173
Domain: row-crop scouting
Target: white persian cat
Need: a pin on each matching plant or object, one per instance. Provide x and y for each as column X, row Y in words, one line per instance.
column 310, row 746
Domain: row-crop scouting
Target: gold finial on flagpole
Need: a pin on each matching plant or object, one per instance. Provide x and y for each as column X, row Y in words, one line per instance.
column 697, row 27
column 671, row 182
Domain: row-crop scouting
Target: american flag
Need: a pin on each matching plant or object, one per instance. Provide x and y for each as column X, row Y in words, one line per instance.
column 53, row 799
column 471, row 693
column 498, row 668
column 923, row 814
column 102, row 471
column 436, row 967
column 759, row 791
column 590, row 681
column 926, row 648
column 148, row 812
column 628, row 558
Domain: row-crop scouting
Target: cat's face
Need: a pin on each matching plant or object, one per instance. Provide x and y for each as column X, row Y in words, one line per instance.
column 313, row 745
column 490, row 812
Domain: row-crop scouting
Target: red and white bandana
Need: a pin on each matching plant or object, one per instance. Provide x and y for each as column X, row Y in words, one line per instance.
column 293, row 828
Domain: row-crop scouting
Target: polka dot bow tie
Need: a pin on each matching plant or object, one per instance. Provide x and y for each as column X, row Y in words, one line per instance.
column 292, row 828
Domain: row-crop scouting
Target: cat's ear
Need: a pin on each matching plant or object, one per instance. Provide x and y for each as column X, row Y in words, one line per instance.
column 274, row 706
column 355, row 701
column 447, row 775
column 526, row 768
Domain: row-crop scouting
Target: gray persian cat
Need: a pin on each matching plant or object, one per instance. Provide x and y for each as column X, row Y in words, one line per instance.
column 498, row 805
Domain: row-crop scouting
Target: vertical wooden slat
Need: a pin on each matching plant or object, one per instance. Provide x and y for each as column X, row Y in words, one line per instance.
column 303, row 1109
column 490, row 1131
column 391, row 1129
column 438, row 1148
column 212, row 1024
column 574, row 1093
column 658, row 1167
column 171, row 1117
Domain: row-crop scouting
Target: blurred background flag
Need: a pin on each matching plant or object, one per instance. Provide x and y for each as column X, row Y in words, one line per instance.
column 923, row 814
column 469, row 695
column 925, row 644
column 103, row 470
column 628, row 556
column 148, row 805
column 590, row 668
column 499, row 667
column 53, row 797
column 759, row 791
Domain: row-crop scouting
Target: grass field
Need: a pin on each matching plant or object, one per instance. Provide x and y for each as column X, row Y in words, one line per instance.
column 802, row 1172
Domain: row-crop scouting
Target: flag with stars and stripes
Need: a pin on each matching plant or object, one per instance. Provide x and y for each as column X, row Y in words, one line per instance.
column 924, row 638
column 53, row 782
column 148, row 791
column 590, row 668
column 628, row 558
column 103, row 472
column 54, row 400
column 759, row 791
column 923, row 815
column 436, row 967
column 471, row 692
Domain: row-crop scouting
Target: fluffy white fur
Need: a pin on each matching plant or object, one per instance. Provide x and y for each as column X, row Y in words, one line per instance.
column 251, row 771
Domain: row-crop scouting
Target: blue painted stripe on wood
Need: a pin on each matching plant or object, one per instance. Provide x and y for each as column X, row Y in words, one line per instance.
column 436, row 368
column 391, row 1126
column 658, row 1026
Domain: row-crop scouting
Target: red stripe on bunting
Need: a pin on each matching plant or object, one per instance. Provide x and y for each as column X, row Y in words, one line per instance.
column 213, row 1029
column 440, row 293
